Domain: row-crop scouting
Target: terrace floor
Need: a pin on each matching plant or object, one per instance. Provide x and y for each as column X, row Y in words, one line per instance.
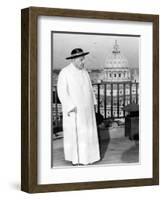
column 115, row 148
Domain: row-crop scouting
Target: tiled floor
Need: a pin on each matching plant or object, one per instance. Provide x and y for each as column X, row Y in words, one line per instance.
column 115, row 148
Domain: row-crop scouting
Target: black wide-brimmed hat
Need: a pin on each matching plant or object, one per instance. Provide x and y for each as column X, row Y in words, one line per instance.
column 77, row 53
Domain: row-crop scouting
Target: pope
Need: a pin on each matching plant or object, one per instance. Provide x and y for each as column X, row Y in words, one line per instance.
column 75, row 92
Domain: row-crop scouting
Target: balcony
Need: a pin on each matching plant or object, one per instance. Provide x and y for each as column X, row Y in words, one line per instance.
column 111, row 99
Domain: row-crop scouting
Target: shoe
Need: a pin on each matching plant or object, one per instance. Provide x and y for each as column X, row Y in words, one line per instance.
column 75, row 164
column 83, row 164
column 79, row 164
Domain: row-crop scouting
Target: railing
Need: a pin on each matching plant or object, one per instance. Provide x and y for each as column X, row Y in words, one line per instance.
column 111, row 99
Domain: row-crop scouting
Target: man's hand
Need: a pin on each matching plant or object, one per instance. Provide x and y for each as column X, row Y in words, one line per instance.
column 73, row 110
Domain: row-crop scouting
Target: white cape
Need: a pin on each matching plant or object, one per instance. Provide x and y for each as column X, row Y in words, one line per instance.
column 80, row 131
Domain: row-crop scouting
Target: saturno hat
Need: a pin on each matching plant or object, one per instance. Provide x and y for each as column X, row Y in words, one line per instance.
column 77, row 52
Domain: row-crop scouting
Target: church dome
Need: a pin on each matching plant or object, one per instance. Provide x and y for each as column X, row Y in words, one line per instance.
column 116, row 68
column 116, row 59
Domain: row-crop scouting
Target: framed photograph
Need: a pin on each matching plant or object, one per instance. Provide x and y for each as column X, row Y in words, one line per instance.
column 89, row 99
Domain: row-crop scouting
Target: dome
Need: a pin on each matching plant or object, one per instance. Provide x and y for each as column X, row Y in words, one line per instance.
column 116, row 59
column 116, row 68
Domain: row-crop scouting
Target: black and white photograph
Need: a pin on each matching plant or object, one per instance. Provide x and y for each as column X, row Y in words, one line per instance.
column 95, row 92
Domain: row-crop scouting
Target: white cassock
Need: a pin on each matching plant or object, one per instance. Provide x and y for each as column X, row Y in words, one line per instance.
column 80, row 131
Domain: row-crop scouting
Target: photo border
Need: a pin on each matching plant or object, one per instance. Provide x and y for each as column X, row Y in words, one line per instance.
column 29, row 86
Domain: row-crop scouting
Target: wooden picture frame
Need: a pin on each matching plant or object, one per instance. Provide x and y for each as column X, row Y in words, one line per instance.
column 29, row 97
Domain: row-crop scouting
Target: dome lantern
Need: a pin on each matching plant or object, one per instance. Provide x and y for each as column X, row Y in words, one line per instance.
column 116, row 49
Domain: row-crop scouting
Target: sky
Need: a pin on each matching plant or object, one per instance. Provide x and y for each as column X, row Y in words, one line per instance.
column 99, row 46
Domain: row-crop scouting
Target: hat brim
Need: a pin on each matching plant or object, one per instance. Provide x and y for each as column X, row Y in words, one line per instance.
column 76, row 56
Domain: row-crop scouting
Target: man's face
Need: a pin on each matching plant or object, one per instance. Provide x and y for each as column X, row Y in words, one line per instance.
column 79, row 62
